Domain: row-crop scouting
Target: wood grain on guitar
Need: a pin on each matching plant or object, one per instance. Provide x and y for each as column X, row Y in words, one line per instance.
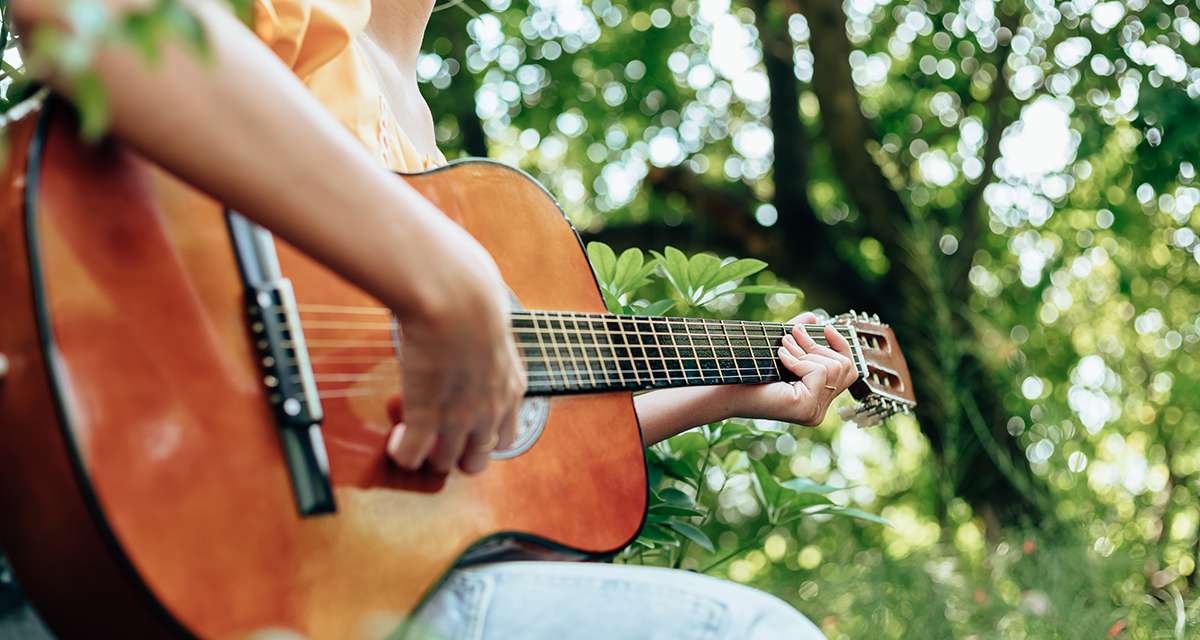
column 144, row 470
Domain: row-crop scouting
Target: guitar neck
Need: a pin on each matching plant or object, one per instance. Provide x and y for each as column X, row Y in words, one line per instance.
column 585, row 353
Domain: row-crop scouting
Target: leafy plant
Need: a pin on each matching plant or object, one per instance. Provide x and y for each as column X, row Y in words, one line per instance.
column 681, row 511
column 70, row 48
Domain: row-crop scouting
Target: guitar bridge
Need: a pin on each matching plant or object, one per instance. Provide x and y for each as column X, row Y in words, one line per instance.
column 287, row 373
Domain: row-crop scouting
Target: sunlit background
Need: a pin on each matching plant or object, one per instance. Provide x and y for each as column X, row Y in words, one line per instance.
column 1010, row 183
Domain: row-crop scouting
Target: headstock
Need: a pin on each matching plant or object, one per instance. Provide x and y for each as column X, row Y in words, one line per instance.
column 884, row 386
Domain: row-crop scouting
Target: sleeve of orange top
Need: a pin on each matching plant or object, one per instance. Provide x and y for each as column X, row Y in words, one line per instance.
column 306, row 34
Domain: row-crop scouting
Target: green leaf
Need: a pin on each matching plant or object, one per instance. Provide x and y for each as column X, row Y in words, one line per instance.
column 767, row 488
column 860, row 514
column 672, row 510
column 656, row 308
column 792, row 500
column 679, row 469
column 731, row 429
column 738, row 269
column 647, row 270
column 628, row 267
column 675, row 265
column 658, row 533
column 804, row 485
column 243, row 9
column 688, row 442
column 654, row 469
column 693, row 533
column 604, row 261
column 701, row 269
column 92, row 102
column 734, row 462
column 766, row 289
column 611, row 301
column 674, row 496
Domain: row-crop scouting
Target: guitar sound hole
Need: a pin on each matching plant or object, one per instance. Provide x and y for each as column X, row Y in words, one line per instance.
column 531, row 419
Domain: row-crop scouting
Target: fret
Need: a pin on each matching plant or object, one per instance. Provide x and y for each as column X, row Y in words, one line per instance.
column 685, row 355
column 636, row 339
column 549, row 333
column 592, row 352
column 596, row 348
column 743, row 357
column 564, row 336
column 656, row 350
column 772, row 347
column 713, row 351
column 750, row 348
column 612, row 349
column 627, row 361
column 712, row 369
column 579, row 343
column 687, row 330
column 731, row 364
column 533, row 353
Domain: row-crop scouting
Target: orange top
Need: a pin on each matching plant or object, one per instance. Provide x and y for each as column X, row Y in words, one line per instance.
column 318, row 40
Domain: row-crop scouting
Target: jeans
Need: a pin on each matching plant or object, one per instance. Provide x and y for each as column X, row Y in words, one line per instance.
column 553, row 600
column 550, row 600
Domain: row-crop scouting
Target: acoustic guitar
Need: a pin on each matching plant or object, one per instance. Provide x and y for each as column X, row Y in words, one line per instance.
column 193, row 414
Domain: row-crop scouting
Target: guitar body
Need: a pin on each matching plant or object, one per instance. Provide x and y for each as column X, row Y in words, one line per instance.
column 143, row 485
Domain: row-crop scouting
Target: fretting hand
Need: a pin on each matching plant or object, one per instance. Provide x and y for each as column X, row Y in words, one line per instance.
column 824, row 372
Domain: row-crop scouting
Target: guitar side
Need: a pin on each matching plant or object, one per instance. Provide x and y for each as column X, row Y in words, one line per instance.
column 160, row 505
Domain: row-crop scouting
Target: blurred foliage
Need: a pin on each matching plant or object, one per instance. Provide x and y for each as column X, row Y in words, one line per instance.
column 71, row 47
column 1012, row 183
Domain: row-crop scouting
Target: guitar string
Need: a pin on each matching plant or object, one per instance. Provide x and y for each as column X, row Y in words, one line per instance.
column 655, row 327
column 816, row 331
column 380, row 310
column 591, row 354
column 577, row 315
column 540, row 378
column 744, row 372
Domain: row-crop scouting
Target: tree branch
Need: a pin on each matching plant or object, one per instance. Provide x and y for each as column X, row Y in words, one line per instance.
column 846, row 127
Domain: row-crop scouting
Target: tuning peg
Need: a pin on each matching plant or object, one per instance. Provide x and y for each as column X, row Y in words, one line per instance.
column 875, row 318
column 850, row 412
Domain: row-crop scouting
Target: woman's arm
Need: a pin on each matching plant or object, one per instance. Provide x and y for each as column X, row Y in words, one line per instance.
column 822, row 374
column 241, row 127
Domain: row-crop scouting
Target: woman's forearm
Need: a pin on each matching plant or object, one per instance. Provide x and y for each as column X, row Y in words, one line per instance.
column 240, row 126
column 667, row 412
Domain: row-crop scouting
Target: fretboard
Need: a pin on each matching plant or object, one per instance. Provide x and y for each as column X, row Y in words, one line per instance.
column 584, row 353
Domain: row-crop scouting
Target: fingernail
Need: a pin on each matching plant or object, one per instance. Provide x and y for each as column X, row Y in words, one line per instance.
column 394, row 438
column 785, row 355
